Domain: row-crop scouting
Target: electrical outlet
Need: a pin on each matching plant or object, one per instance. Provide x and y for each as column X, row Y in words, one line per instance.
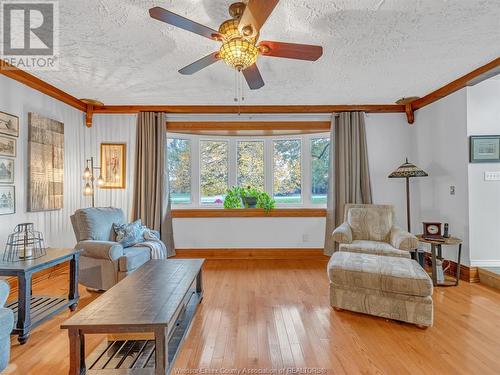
column 452, row 190
column 491, row 176
column 305, row 237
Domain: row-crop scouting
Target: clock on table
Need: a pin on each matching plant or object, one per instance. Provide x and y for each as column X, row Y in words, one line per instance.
column 432, row 230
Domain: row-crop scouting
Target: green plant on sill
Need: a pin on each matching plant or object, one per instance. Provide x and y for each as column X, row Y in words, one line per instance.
column 235, row 195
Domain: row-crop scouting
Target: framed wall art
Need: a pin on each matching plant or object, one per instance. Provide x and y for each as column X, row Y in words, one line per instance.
column 6, row 171
column 7, row 146
column 113, row 165
column 485, row 149
column 7, row 200
column 46, row 163
column 9, row 124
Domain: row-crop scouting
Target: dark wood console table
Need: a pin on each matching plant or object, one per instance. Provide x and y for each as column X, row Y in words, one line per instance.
column 30, row 311
column 161, row 298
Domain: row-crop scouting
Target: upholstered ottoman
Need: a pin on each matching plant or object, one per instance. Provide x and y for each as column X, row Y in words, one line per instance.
column 391, row 287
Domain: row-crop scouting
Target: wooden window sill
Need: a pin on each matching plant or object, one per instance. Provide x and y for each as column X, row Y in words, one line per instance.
column 248, row 212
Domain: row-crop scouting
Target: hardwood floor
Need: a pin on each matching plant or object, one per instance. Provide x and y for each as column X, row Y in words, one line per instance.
column 274, row 314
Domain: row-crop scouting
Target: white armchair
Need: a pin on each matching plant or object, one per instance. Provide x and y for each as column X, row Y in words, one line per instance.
column 371, row 229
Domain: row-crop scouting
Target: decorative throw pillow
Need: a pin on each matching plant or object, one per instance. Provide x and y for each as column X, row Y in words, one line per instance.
column 129, row 234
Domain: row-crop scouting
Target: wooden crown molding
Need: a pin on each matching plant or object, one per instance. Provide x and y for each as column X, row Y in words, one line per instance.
column 36, row 83
column 248, row 127
column 476, row 76
column 472, row 78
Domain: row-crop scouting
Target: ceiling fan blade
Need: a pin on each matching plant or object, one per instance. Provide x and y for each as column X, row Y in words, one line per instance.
column 166, row 16
column 255, row 16
column 200, row 64
column 291, row 50
column 253, row 77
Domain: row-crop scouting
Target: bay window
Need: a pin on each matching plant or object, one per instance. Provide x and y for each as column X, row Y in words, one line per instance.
column 292, row 169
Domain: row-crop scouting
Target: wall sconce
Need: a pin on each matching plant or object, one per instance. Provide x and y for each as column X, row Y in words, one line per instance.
column 90, row 181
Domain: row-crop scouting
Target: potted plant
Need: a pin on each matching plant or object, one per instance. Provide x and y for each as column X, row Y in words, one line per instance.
column 239, row 197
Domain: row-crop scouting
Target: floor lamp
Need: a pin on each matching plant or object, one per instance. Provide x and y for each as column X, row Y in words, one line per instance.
column 407, row 171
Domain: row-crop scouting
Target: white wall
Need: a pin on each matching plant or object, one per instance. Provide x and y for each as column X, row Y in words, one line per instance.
column 388, row 138
column 80, row 143
column 440, row 148
column 388, row 144
column 483, row 118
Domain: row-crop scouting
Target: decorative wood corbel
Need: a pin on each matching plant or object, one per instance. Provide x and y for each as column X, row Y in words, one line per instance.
column 409, row 113
column 88, row 115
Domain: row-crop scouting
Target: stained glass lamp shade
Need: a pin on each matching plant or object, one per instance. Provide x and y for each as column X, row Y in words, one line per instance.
column 408, row 170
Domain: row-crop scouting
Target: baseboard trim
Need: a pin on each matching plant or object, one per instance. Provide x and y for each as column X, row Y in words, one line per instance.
column 469, row 274
column 269, row 253
column 485, row 263
column 37, row 277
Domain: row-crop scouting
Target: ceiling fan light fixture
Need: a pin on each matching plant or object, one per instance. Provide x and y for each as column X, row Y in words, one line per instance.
column 239, row 53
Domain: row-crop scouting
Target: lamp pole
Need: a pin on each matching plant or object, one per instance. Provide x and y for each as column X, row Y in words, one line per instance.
column 408, row 204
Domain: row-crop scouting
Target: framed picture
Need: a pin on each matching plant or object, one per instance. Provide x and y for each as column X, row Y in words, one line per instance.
column 7, row 146
column 7, row 200
column 9, row 124
column 6, row 171
column 113, row 165
column 485, row 149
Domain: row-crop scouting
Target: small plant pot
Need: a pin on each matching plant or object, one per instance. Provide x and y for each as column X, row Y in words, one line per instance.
column 250, row 202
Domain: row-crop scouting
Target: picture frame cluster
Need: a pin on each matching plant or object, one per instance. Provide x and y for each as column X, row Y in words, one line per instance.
column 9, row 131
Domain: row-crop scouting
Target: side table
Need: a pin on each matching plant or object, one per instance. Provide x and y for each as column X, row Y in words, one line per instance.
column 437, row 245
column 30, row 311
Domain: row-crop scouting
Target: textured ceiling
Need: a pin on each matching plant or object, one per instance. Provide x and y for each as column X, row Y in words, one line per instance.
column 375, row 51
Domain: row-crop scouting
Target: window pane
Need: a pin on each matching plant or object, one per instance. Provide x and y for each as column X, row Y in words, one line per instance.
column 251, row 164
column 213, row 171
column 286, row 171
column 320, row 156
column 179, row 170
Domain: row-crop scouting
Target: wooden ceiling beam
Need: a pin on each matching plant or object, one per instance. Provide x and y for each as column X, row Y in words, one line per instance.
column 248, row 125
column 486, row 71
column 36, row 83
column 478, row 75
column 370, row 108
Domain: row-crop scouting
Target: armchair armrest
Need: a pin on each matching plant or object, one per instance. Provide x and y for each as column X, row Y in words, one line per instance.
column 4, row 292
column 101, row 249
column 343, row 233
column 403, row 240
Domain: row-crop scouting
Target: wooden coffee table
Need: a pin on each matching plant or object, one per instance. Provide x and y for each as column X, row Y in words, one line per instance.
column 161, row 297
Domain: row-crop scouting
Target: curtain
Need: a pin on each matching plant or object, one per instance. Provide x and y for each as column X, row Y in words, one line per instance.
column 349, row 175
column 151, row 199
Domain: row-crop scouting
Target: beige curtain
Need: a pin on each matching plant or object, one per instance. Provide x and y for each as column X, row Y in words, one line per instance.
column 349, row 174
column 151, row 200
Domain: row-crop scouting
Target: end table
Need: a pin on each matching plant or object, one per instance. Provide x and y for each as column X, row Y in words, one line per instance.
column 30, row 311
column 437, row 245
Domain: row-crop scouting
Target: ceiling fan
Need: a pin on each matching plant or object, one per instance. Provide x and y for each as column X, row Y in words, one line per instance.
column 239, row 36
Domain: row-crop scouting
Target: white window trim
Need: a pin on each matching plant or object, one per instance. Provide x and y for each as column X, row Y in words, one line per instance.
column 306, row 165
